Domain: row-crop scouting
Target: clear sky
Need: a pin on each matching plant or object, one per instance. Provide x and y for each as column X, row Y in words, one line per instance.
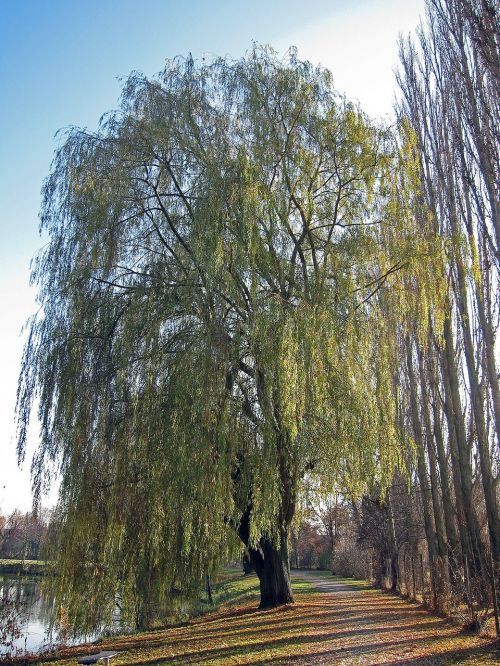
column 61, row 62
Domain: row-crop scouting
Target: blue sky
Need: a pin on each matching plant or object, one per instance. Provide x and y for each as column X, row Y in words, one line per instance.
column 60, row 65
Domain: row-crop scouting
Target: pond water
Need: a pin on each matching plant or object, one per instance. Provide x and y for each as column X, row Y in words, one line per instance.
column 25, row 617
column 24, row 612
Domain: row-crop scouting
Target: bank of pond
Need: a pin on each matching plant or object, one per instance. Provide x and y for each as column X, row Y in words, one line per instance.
column 23, row 567
column 27, row 617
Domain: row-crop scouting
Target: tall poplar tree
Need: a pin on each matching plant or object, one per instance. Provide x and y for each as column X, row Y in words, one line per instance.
column 208, row 333
column 449, row 83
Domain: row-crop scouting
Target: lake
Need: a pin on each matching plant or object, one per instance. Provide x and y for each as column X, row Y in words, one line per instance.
column 33, row 620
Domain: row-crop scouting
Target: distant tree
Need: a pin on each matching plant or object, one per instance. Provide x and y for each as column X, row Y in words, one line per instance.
column 332, row 514
column 208, row 330
column 309, row 546
column 11, row 534
column 21, row 534
column 3, row 522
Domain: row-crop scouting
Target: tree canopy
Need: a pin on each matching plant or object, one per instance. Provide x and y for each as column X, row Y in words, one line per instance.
column 210, row 329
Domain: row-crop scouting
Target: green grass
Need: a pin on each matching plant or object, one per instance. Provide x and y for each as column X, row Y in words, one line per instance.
column 229, row 587
column 327, row 574
column 31, row 567
column 232, row 587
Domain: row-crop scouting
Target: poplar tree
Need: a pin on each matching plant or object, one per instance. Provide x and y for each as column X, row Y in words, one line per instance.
column 449, row 83
column 208, row 332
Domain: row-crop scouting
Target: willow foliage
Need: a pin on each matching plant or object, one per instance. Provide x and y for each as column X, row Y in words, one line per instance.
column 209, row 326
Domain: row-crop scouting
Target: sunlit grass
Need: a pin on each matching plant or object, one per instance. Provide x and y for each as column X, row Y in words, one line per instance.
column 232, row 586
column 327, row 575
column 22, row 566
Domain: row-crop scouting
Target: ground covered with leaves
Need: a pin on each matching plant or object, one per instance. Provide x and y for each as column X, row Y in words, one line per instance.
column 332, row 622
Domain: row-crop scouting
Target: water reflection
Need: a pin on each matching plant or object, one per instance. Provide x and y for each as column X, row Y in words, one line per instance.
column 25, row 616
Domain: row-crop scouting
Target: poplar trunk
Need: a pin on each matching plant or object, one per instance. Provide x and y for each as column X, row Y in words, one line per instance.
column 461, row 455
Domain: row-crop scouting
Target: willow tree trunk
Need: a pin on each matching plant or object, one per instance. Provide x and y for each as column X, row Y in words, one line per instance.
column 272, row 566
column 271, row 561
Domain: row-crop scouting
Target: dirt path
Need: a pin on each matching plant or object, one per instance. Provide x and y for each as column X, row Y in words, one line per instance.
column 373, row 627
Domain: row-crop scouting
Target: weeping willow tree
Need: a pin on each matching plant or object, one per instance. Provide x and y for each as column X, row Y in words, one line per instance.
column 208, row 332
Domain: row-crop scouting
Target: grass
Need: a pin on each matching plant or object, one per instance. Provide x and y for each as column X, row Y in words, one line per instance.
column 327, row 575
column 232, row 587
column 31, row 567
column 356, row 626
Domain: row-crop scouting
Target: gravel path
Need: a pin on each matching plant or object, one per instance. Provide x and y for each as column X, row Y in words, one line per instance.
column 365, row 626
